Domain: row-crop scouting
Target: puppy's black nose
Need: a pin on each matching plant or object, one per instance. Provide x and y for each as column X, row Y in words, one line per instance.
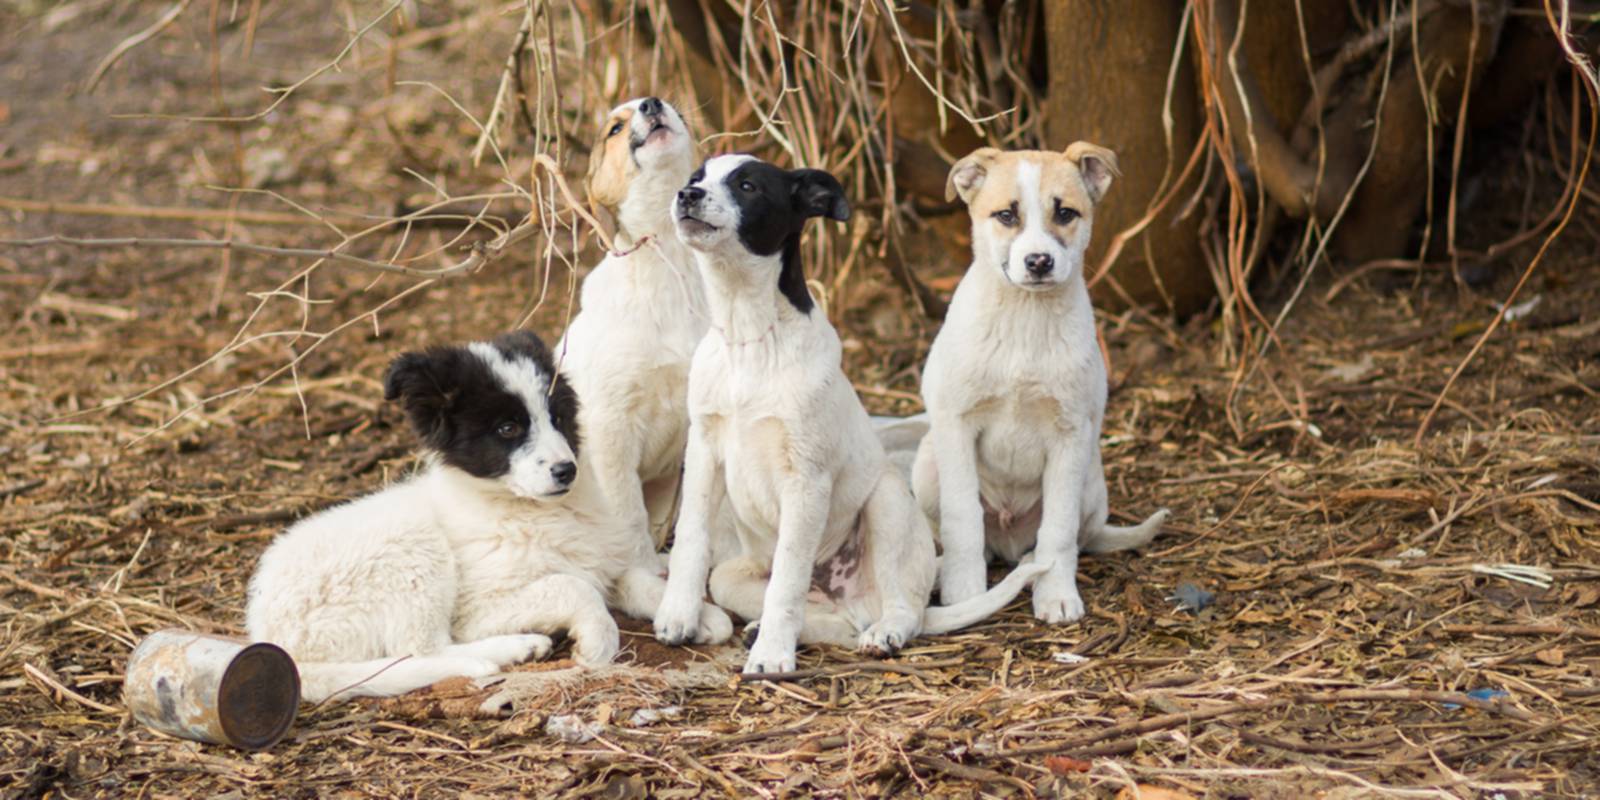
column 689, row 195
column 1039, row 264
column 650, row 106
column 564, row 472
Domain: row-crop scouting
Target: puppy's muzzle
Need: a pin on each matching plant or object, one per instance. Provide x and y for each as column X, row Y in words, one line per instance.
column 563, row 473
column 689, row 198
column 1038, row 264
column 654, row 114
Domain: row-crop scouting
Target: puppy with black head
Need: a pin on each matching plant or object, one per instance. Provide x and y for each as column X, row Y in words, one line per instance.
column 1015, row 385
column 469, row 565
column 628, row 351
column 834, row 548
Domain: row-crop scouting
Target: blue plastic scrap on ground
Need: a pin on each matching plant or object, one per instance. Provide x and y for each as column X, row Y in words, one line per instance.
column 1192, row 598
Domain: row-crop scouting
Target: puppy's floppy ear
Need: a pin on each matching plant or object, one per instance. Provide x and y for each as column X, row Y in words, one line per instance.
column 966, row 177
column 411, row 380
column 1097, row 165
column 819, row 194
column 609, row 163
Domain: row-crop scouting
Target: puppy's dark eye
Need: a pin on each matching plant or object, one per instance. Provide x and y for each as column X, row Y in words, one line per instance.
column 1007, row 217
column 746, row 186
column 508, row 430
column 1065, row 215
column 698, row 176
column 615, row 129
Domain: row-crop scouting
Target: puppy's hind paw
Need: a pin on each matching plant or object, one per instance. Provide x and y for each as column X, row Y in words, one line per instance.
column 715, row 626
column 879, row 641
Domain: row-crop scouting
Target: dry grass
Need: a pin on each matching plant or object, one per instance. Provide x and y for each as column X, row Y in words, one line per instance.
column 1347, row 558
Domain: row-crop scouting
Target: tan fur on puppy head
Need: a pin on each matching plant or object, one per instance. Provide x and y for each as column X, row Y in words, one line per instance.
column 986, row 179
column 611, row 167
column 1097, row 164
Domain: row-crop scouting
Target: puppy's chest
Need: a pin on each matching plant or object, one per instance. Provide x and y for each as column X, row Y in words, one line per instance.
column 1014, row 429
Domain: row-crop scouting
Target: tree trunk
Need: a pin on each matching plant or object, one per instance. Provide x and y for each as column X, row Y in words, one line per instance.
column 1109, row 61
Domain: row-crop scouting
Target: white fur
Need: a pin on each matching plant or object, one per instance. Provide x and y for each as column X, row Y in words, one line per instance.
column 778, row 435
column 448, row 574
column 1016, row 391
column 627, row 352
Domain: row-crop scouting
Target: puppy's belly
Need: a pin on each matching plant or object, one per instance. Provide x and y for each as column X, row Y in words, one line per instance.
column 842, row 577
column 1011, row 451
column 1010, row 529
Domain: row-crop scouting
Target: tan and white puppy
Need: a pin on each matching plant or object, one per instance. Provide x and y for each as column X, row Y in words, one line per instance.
column 1015, row 386
column 627, row 352
column 833, row 546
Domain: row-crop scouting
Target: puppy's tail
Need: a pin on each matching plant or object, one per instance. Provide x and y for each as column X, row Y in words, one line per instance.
column 384, row 677
column 944, row 619
column 901, row 433
column 1117, row 537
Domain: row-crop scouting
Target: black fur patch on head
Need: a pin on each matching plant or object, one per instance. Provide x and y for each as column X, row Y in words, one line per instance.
column 562, row 401
column 774, row 204
column 459, row 408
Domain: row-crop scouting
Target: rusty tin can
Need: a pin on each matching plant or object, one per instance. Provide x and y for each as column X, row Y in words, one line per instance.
column 212, row 688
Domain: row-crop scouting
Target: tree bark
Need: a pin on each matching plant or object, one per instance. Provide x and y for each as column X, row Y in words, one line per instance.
column 1108, row 67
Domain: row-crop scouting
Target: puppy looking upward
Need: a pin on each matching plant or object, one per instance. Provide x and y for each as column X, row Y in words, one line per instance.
column 628, row 351
column 1015, row 386
column 834, row 548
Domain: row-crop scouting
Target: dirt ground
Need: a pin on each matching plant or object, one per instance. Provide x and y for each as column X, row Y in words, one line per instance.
column 1359, row 576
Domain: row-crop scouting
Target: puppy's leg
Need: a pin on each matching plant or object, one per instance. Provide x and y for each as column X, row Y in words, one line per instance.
column 504, row 650
column 961, row 571
column 638, row 594
column 803, row 503
column 925, row 482
column 677, row 619
column 613, row 459
column 549, row 604
column 740, row 585
column 901, row 548
column 1055, row 593
column 660, row 501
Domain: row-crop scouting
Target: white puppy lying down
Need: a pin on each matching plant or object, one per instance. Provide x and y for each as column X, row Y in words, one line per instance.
column 778, row 434
column 1015, row 386
column 467, row 566
column 628, row 352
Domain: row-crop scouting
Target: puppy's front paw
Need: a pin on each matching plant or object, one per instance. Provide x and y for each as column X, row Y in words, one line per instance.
column 715, row 626
column 1056, row 602
column 468, row 667
column 767, row 657
column 678, row 623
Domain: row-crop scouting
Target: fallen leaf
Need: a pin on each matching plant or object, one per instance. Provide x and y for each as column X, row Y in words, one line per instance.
column 1066, row 765
column 1350, row 372
column 1581, row 594
column 1147, row 792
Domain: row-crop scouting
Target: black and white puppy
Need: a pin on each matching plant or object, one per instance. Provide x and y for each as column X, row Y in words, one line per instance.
column 834, row 548
column 469, row 565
